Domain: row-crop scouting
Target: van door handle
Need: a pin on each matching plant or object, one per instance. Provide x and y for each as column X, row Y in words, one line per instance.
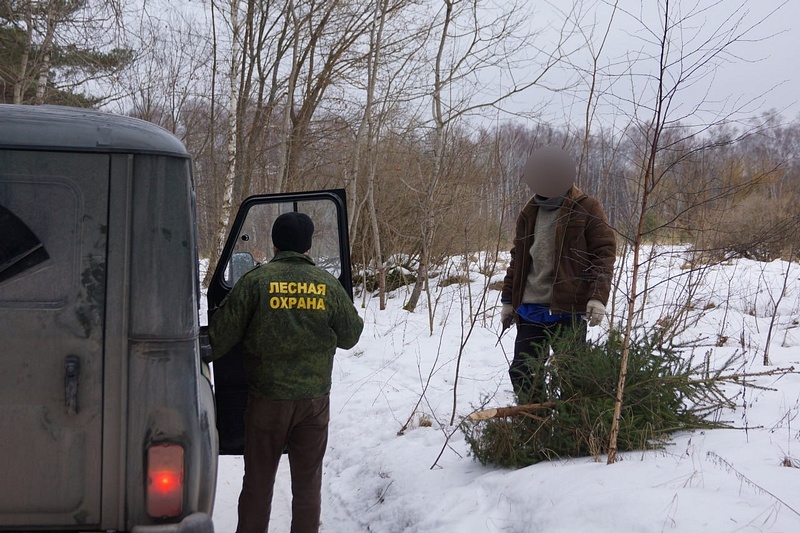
column 72, row 369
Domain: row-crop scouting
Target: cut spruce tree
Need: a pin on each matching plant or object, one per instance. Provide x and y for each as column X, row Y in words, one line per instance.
column 666, row 391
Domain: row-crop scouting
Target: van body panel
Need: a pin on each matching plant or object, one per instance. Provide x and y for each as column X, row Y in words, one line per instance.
column 99, row 301
column 49, row 315
column 60, row 128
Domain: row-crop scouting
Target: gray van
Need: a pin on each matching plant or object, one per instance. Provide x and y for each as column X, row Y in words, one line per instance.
column 108, row 419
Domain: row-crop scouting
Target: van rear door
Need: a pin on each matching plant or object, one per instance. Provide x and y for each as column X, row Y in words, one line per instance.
column 250, row 244
column 53, row 228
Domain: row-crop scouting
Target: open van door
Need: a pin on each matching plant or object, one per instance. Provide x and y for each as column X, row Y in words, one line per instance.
column 249, row 245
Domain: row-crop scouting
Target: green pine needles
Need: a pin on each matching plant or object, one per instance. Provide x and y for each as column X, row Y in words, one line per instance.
column 664, row 393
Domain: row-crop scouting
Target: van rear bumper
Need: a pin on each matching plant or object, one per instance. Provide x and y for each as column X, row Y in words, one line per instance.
column 194, row 523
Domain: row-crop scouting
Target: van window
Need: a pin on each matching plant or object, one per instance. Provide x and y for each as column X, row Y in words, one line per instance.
column 41, row 216
column 20, row 249
column 164, row 259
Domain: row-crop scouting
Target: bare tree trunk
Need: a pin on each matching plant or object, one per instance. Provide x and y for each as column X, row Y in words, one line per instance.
column 284, row 136
column 229, row 180
column 41, row 85
column 777, row 303
column 381, row 8
column 646, row 185
column 428, row 225
column 43, row 61
column 670, row 77
column 20, row 83
column 364, row 150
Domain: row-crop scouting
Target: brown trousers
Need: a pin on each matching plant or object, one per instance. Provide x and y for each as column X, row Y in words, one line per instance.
column 301, row 426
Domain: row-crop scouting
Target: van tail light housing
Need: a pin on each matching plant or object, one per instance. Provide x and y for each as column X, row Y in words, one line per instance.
column 165, row 480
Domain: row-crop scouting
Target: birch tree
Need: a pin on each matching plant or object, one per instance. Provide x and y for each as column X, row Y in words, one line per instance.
column 282, row 57
column 678, row 60
column 387, row 80
column 229, row 179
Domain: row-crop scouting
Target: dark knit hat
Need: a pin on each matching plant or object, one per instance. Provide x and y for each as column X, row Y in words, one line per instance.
column 291, row 232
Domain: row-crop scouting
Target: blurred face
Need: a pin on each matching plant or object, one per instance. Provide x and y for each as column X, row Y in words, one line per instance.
column 549, row 172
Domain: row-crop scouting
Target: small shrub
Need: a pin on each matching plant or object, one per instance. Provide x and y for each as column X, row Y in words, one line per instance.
column 768, row 239
column 790, row 462
column 395, row 278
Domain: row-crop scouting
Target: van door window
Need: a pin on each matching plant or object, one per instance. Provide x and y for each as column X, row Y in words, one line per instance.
column 254, row 243
column 20, row 249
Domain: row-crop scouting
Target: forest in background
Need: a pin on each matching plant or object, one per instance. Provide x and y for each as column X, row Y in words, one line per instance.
column 425, row 110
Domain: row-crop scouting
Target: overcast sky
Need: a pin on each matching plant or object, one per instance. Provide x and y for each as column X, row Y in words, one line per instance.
column 771, row 65
column 760, row 73
column 781, row 58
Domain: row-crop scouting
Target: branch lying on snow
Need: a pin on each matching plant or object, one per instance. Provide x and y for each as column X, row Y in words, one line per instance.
column 705, row 389
column 501, row 412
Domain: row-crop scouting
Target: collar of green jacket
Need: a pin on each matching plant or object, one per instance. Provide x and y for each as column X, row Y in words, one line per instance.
column 292, row 256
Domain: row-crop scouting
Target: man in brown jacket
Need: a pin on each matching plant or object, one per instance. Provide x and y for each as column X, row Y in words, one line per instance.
column 560, row 270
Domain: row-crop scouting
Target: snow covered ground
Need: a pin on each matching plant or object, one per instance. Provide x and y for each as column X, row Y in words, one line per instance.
column 420, row 481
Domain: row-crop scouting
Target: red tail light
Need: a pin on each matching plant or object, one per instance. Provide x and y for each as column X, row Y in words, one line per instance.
column 165, row 480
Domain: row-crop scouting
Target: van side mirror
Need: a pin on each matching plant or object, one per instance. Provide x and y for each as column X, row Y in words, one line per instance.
column 241, row 264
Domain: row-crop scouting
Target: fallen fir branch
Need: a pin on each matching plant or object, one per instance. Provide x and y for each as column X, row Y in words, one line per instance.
column 511, row 410
column 707, row 396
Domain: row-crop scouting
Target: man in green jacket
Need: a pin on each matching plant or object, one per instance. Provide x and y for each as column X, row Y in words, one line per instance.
column 289, row 316
column 560, row 270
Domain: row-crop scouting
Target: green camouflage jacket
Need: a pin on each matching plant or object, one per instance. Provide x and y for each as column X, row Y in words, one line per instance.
column 290, row 317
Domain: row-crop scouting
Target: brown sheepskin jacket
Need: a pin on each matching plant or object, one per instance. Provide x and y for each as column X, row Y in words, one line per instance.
column 585, row 250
